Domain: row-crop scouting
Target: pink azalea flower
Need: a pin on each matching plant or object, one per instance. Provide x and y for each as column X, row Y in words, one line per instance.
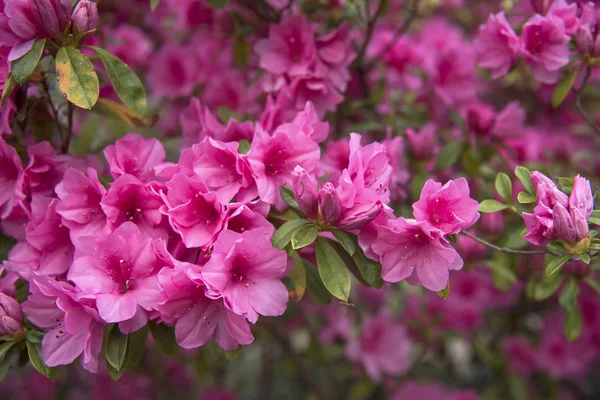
column 290, row 48
column 130, row 44
column 273, row 159
column 423, row 144
column 383, row 347
column 245, row 269
column 335, row 54
column 198, row 122
column 46, row 233
column 44, row 171
column 11, row 173
column 407, row 246
column 545, row 47
column 197, row 317
column 520, row 354
column 79, row 204
column 448, row 207
column 223, row 169
column 173, row 72
column 497, row 45
column 120, row 272
column 313, row 88
column 308, row 122
column 567, row 13
column 134, row 155
column 194, row 212
column 244, row 217
column 73, row 327
column 128, row 199
column 335, row 159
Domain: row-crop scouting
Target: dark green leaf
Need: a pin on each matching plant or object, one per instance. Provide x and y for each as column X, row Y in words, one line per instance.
column 346, row 240
column 491, row 205
column 369, row 269
column 304, row 236
column 332, row 270
column 23, row 67
column 542, row 290
column 416, row 186
column 315, row 284
column 6, row 361
column 8, row 88
column 33, row 349
column 448, row 156
column 241, row 51
column 504, row 187
column 35, row 336
column 564, row 87
column 154, row 4
column 116, row 348
column 5, row 347
column 283, row 235
column 217, row 4
column 568, row 301
column 444, row 293
column 297, row 277
column 554, row 264
column 524, row 175
column 76, row 77
column 136, row 347
column 164, row 337
column 114, row 374
column 595, row 217
column 287, row 195
column 126, row 83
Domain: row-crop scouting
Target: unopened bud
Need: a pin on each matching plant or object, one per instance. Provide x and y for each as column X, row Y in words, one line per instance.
column 85, row 16
column 11, row 316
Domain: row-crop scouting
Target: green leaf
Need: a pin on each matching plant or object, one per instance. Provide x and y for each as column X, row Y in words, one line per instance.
column 76, row 77
column 136, row 347
column 416, row 186
column 114, row 373
column 112, row 109
column 444, row 293
column 595, row 217
column 369, row 269
column 525, row 198
column 217, row 4
column 555, row 263
column 524, row 175
column 593, row 284
column 244, row 146
column 448, row 156
column 346, row 240
column 6, row 361
column 35, row 336
column 541, row 291
column 504, row 187
column 126, row 83
column 116, row 348
column 304, row 236
column 298, row 278
column 23, row 67
column 491, row 205
column 585, row 258
column 283, row 235
column 164, row 337
column 33, row 349
column 241, row 51
column 5, row 347
column 154, row 4
column 287, row 195
column 503, row 270
column 315, row 284
column 564, row 87
column 8, row 88
column 332, row 270
column 568, row 301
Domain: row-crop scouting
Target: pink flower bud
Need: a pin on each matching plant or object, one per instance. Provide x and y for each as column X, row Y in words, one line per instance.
column 422, row 143
column 585, row 41
column 563, row 224
column 480, row 118
column 85, row 16
column 581, row 197
column 305, row 191
column 330, row 203
column 359, row 215
column 11, row 316
column 547, row 192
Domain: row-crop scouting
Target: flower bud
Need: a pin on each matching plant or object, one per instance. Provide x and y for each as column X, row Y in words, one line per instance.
column 563, row 225
column 11, row 316
column 51, row 16
column 547, row 192
column 359, row 215
column 581, row 197
column 422, row 143
column 85, row 16
column 305, row 191
column 330, row 203
column 480, row 118
column 585, row 41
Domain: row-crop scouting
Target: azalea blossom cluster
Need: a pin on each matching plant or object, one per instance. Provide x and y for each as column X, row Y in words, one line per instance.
column 326, row 199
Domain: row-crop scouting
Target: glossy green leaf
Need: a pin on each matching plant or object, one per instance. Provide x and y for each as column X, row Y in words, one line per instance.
column 504, row 187
column 555, row 263
column 23, row 67
column 314, row 284
column 564, row 87
column 304, row 236
column 369, row 269
column 76, row 77
column 33, row 349
column 116, row 348
column 284, row 234
column 524, row 175
column 126, row 83
column 491, row 205
column 347, row 240
column 448, row 156
column 332, row 270
column 287, row 195
column 136, row 347
column 164, row 337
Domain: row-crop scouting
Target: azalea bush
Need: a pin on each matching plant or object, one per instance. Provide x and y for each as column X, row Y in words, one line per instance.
column 324, row 199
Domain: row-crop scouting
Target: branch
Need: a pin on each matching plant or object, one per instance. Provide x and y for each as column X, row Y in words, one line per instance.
column 506, row 249
column 262, row 9
column 588, row 119
column 412, row 14
column 369, row 34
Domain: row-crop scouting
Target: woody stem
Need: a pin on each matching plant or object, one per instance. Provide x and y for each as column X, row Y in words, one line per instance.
column 506, row 249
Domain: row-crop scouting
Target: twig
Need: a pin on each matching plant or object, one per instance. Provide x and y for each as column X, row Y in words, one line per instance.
column 588, row 119
column 412, row 14
column 371, row 22
column 506, row 249
column 262, row 9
